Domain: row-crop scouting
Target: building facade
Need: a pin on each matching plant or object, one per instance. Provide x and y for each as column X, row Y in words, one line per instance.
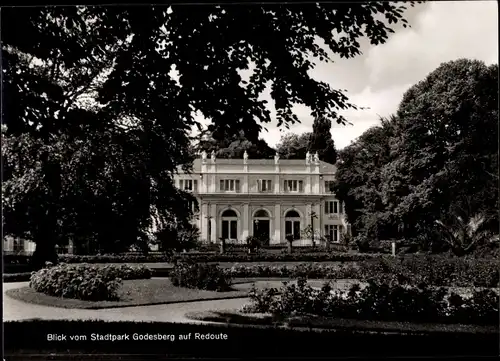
column 265, row 198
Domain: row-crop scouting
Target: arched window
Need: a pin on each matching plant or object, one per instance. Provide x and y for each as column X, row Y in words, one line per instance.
column 229, row 213
column 261, row 213
column 262, row 225
column 292, row 224
column 292, row 214
column 229, row 225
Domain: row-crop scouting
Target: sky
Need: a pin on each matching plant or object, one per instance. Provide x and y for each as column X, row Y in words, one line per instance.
column 377, row 79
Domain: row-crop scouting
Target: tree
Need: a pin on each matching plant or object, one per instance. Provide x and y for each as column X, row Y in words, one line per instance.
column 293, row 146
column 464, row 235
column 93, row 83
column 321, row 140
column 358, row 180
column 234, row 146
column 447, row 147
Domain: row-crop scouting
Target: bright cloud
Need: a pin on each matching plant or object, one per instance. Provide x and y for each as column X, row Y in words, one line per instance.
column 440, row 32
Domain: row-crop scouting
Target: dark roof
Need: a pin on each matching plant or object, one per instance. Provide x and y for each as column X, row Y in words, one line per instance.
column 324, row 166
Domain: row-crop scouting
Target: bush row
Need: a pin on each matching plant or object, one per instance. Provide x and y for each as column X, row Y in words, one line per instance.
column 201, row 276
column 379, row 301
column 201, row 257
column 302, row 255
column 85, row 282
column 428, row 270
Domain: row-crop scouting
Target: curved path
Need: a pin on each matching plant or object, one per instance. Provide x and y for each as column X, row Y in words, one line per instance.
column 14, row 310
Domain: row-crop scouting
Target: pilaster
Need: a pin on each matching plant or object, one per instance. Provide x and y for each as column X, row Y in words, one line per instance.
column 204, row 220
column 246, row 221
column 213, row 221
column 308, row 215
column 213, row 173
column 277, row 222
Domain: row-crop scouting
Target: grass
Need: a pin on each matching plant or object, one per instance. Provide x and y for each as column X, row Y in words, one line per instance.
column 153, row 291
column 316, row 322
column 133, row 293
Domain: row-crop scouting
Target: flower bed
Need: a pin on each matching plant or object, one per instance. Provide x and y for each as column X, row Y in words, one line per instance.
column 85, row 282
column 437, row 271
column 200, row 276
column 378, row 301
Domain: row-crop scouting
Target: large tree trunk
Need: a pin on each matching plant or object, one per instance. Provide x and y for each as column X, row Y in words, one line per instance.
column 45, row 234
column 45, row 250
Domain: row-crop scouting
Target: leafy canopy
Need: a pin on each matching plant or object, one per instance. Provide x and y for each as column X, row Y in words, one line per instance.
column 437, row 156
column 97, row 125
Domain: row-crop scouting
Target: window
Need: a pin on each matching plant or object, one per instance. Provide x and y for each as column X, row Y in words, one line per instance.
column 292, row 224
column 188, row 184
column 329, row 186
column 229, row 224
column 333, row 232
column 265, row 185
column 18, row 245
column 192, row 206
column 261, row 213
column 229, row 214
column 229, row 229
column 332, row 207
column 229, row 185
column 293, row 228
column 293, row 185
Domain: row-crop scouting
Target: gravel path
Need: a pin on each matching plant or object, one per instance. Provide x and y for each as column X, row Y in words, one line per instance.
column 14, row 310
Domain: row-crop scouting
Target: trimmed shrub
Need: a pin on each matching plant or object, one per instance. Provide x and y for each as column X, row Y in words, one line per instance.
column 18, row 259
column 85, row 282
column 379, row 301
column 200, row 276
column 253, row 243
column 303, row 256
column 436, row 271
column 126, row 272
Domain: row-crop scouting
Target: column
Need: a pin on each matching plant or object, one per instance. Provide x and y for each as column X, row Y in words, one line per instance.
column 320, row 218
column 308, row 215
column 317, row 220
column 213, row 220
column 277, row 223
column 245, row 221
column 204, row 220
column 70, row 246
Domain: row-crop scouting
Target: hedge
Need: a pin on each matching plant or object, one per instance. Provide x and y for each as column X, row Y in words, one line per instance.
column 437, row 271
column 209, row 257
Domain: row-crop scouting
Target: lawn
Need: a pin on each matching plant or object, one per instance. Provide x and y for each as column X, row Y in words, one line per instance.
column 316, row 322
column 132, row 293
column 148, row 292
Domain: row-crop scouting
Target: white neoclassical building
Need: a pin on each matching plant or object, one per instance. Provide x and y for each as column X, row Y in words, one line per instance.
column 265, row 198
